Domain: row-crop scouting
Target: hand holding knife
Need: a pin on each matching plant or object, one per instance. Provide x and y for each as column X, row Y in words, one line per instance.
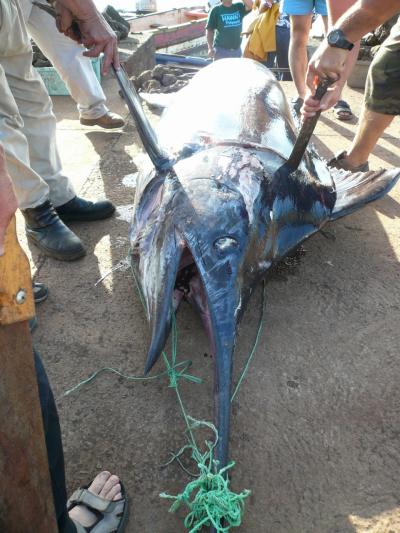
column 83, row 23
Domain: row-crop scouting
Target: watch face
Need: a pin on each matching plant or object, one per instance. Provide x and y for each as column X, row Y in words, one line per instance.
column 334, row 37
column 337, row 39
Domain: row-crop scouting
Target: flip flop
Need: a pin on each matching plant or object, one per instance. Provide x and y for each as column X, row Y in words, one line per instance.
column 343, row 111
column 111, row 515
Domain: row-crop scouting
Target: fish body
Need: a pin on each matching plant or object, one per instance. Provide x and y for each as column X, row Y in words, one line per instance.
column 208, row 229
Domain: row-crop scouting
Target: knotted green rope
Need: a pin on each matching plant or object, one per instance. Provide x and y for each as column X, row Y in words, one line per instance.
column 210, row 501
column 208, row 498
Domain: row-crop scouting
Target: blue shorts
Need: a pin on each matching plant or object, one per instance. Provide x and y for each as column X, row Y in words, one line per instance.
column 304, row 7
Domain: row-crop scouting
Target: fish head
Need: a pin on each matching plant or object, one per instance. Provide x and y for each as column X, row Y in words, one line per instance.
column 194, row 238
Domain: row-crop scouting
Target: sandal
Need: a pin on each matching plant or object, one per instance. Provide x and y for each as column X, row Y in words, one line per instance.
column 111, row 515
column 339, row 161
column 343, row 111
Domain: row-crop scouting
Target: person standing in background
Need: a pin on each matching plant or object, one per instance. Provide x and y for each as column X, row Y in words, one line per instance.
column 301, row 15
column 74, row 68
column 224, row 28
column 280, row 58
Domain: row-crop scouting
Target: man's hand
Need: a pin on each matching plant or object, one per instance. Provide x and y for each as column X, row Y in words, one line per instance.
column 312, row 106
column 210, row 43
column 265, row 5
column 95, row 33
column 98, row 37
column 325, row 62
column 8, row 201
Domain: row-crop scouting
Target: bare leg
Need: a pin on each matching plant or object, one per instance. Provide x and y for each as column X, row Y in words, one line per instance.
column 369, row 130
column 299, row 30
column 336, row 8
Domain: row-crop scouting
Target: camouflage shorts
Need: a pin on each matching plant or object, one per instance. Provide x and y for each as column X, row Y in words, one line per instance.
column 382, row 91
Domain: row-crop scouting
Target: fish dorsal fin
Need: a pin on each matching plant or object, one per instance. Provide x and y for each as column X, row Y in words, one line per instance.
column 355, row 189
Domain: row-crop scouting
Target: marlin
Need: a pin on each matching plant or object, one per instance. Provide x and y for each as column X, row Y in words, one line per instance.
column 213, row 214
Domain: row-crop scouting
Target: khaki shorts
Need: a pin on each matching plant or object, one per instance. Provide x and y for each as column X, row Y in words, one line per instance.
column 382, row 91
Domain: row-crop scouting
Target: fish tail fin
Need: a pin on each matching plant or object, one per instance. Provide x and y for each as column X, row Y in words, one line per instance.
column 355, row 189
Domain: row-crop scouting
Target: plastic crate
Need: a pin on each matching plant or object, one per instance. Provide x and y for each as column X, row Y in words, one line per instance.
column 54, row 83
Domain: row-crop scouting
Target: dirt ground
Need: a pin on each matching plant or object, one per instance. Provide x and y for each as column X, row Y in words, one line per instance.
column 316, row 425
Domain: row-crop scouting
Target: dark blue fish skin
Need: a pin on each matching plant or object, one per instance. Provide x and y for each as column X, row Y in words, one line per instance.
column 222, row 210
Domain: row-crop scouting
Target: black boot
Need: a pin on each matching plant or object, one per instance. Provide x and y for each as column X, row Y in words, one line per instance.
column 80, row 210
column 45, row 229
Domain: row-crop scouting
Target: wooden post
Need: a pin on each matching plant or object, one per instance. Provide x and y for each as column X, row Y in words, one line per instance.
column 26, row 498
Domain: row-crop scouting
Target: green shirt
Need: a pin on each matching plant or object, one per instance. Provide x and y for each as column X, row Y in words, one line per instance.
column 227, row 24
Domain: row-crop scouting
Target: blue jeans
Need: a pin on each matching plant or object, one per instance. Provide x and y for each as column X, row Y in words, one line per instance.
column 223, row 53
column 280, row 58
column 54, row 448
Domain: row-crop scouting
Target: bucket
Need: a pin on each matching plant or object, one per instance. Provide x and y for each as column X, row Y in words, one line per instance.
column 146, row 6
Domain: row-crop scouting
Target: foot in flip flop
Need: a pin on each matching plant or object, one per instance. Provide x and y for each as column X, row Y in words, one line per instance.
column 342, row 111
column 102, row 506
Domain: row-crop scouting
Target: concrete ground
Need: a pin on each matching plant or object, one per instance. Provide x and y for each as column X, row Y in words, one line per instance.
column 316, row 425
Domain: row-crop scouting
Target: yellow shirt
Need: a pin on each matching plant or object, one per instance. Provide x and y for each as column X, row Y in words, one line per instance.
column 262, row 37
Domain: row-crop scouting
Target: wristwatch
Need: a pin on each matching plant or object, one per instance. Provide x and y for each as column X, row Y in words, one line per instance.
column 337, row 39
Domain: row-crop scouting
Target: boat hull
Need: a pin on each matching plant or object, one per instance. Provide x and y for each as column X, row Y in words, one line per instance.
column 171, row 27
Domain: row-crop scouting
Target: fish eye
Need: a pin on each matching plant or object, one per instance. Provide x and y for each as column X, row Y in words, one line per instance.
column 225, row 244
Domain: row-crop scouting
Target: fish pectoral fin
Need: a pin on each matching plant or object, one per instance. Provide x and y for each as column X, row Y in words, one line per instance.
column 356, row 189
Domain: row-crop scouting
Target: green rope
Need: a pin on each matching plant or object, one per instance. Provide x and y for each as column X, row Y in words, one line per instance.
column 210, row 501
column 208, row 498
column 181, row 374
column 253, row 350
